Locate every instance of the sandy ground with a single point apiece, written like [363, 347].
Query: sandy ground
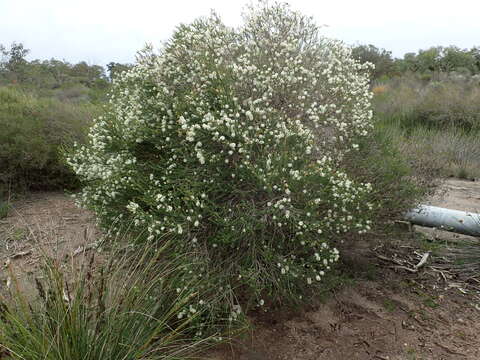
[46, 223]
[459, 195]
[393, 317]
[387, 312]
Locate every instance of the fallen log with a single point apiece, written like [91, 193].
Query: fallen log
[457, 221]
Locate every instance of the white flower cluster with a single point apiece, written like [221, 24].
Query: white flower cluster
[231, 139]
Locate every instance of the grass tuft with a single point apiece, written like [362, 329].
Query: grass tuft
[127, 307]
[4, 209]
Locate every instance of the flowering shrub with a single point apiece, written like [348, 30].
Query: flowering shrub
[229, 141]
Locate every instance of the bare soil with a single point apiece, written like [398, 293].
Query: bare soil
[393, 317]
[387, 311]
[459, 195]
[44, 223]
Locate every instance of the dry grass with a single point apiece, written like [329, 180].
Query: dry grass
[435, 124]
[448, 102]
[440, 152]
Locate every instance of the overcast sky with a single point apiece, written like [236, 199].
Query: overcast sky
[100, 31]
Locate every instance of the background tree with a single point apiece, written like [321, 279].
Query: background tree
[456, 59]
[114, 69]
[381, 58]
[475, 52]
[14, 62]
[59, 79]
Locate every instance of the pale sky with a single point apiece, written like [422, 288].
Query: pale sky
[100, 31]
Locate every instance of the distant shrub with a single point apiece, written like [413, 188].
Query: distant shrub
[446, 101]
[434, 152]
[434, 124]
[381, 58]
[52, 78]
[230, 142]
[32, 132]
[76, 93]
[379, 89]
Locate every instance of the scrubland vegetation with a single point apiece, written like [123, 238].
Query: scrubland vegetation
[44, 106]
[34, 129]
[435, 121]
[236, 159]
[428, 105]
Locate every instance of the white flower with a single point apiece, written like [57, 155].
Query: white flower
[133, 207]
[266, 133]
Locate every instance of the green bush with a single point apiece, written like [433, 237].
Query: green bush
[229, 142]
[134, 306]
[33, 131]
[397, 184]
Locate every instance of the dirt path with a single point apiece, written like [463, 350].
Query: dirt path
[385, 313]
[394, 318]
[459, 195]
[44, 223]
